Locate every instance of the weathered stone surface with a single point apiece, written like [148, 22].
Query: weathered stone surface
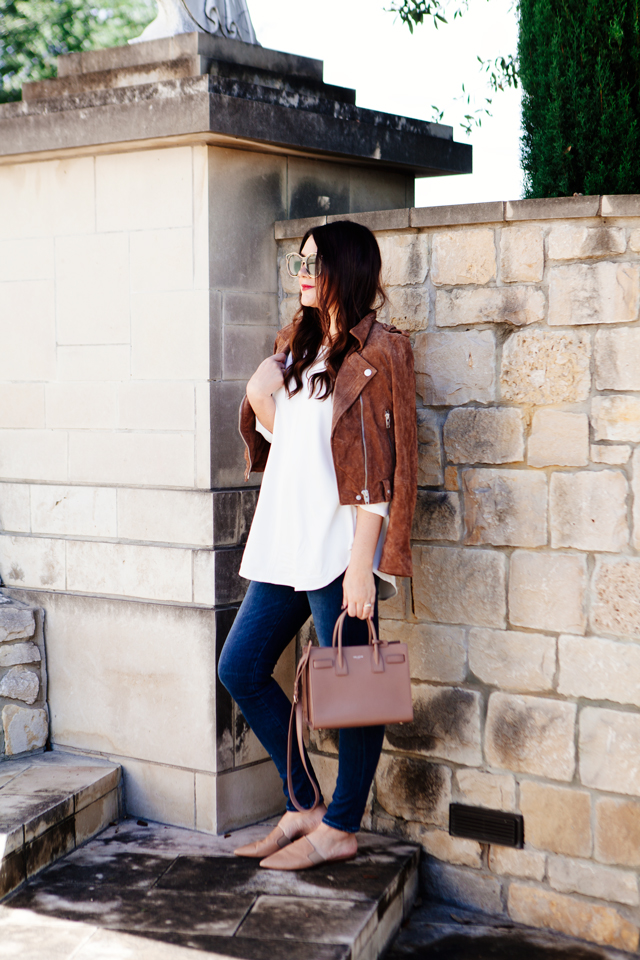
[518, 306]
[461, 886]
[558, 438]
[484, 435]
[455, 585]
[440, 844]
[405, 258]
[497, 791]
[609, 756]
[531, 735]
[290, 285]
[557, 818]
[455, 368]
[408, 308]
[288, 309]
[463, 256]
[436, 652]
[446, 724]
[617, 838]
[540, 366]
[437, 516]
[451, 478]
[593, 294]
[617, 356]
[20, 684]
[556, 911]
[573, 241]
[505, 507]
[616, 418]
[398, 607]
[429, 449]
[16, 623]
[547, 591]
[592, 880]
[616, 597]
[588, 510]
[599, 669]
[635, 488]
[24, 729]
[528, 864]
[521, 254]
[512, 660]
[414, 789]
[19, 653]
[611, 453]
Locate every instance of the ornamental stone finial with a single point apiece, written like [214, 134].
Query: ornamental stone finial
[220, 18]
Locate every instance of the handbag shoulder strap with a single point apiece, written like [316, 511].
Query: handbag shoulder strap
[297, 717]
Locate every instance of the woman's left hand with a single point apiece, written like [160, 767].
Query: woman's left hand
[359, 591]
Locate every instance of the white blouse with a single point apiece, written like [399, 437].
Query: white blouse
[301, 535]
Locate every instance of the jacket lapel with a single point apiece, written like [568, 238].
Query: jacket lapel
[350, 383]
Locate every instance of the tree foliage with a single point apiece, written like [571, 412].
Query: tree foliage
[34, 32]
[501, 72]
[580, 74]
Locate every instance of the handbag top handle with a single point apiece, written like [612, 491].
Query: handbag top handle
[373, 638]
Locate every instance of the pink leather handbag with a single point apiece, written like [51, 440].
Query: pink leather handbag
[337, 687]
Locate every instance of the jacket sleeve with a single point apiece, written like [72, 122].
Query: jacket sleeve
[256, 447]
[396, 553]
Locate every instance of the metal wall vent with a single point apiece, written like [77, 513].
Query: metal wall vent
[486, 826]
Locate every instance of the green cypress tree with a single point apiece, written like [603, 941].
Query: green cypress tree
[579, 65]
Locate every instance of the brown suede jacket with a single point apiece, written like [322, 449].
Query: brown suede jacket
[373, 433]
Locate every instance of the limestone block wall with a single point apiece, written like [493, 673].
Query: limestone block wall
[118, 335]
[23, 680]
[523, 614]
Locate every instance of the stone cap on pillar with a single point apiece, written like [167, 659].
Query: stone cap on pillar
[199, 88]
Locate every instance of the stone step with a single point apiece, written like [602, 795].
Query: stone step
[153, 892]
[50, 804]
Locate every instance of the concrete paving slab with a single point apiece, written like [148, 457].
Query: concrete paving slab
[440, 932]
[358, 880]
[160, 911]
[48, 805]
[307, 920]
[139, 888]
[130, 870]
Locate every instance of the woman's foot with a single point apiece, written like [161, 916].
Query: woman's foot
[292, 825]
[323, 844]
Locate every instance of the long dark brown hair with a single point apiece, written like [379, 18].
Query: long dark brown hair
[348, 283]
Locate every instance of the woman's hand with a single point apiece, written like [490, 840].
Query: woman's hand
[268, 378]
[358, 585]
[358, 590]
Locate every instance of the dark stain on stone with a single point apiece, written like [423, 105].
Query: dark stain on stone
[512, 731]
[434, 515]
[444, 717]
[418, 783]
[458, 946]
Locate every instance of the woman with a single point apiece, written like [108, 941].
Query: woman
[330, 419]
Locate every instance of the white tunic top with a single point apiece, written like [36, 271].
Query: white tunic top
[301, 535]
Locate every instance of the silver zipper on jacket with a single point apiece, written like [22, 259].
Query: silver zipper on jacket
[365, 492]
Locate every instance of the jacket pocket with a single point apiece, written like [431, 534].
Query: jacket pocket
[388, 490]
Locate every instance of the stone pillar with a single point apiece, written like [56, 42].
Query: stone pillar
[138, 291]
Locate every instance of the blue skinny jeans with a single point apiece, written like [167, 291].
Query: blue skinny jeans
[267, 621]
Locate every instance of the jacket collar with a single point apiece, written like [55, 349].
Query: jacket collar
[360, 332]
[362, 329]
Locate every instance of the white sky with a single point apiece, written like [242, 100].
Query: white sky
[367, 48]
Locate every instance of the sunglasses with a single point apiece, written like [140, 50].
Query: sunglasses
[296, 261]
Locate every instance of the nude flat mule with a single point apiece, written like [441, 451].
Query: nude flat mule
[271, 844]
[301, 855]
